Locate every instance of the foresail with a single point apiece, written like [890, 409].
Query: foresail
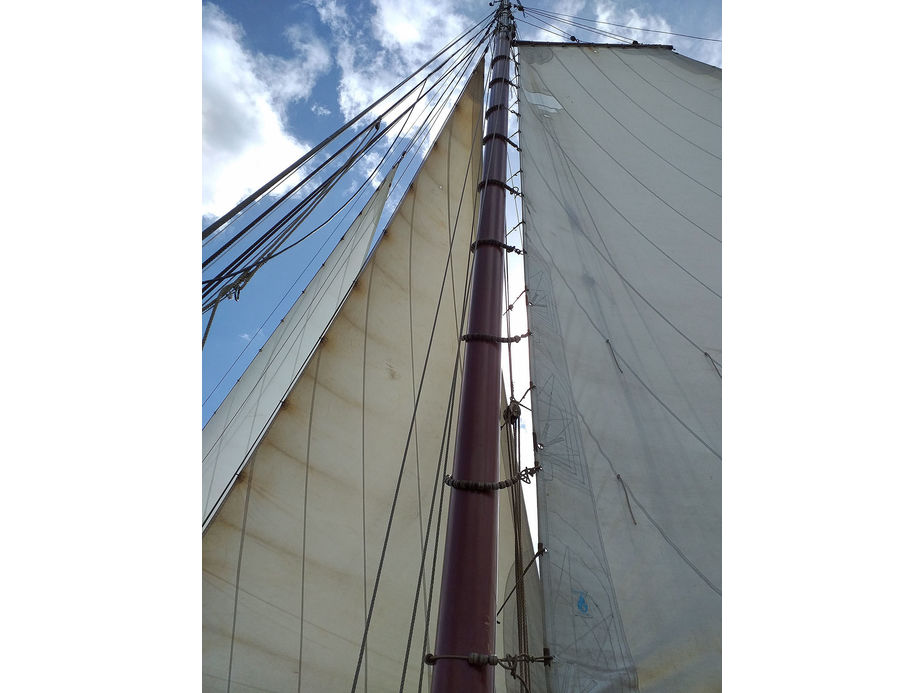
[241, 420]
[621, 160]
[328, 520]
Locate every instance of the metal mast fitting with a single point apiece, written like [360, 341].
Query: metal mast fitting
[467, 597]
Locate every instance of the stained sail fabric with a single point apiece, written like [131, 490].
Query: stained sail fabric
[345, 471]
[241, 420]
[621, 159]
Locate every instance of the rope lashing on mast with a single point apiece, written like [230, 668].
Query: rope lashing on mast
[497, 244]
[499, 106]
[465, 485]
[476, 337]
[478, 659]
[500, 183]
[497, 80]
[496, 135]
[508, 662]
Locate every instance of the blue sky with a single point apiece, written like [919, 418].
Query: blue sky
[279, 77]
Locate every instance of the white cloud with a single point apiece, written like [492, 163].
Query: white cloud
[244, 96]
[320, 110]
[407, 33]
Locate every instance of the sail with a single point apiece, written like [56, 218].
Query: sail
[621, 179]
[328, 520]
[241, 420]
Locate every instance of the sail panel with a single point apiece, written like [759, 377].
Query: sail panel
[291, 557]
[241, 420]
[621, 159]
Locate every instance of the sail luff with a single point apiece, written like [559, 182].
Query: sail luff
[467, 625]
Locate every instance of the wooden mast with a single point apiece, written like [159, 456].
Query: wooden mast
[467, 596]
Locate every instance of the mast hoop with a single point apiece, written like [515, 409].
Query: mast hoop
[497, 244]
[496, 80]
[479, 337]
[478, 659]
[503, 184]
[465, 485]
[497, 135]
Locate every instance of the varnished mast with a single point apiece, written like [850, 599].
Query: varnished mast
[467, 597]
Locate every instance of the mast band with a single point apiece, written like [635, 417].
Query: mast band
[497, 106]
[497, 244]
[476, 337]
[501, 79]
[502, 184]
[464, 485]
[498, 136]
[476, 658]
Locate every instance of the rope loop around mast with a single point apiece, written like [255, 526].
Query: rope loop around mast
[497, 135]
[465, 485]
[500, 183]
[497, 244]
[479, 659]
[478, 337]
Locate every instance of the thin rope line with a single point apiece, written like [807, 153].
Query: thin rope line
[388, 527]
[668, 96]
[668, 539]
[643, 110]
[315, 196]
[666, 408]
[214, 226]
[269, 363]
[621, 26]
[606, 259]
[608, 202]
[460, 366]
[615, 161]
[418, 138]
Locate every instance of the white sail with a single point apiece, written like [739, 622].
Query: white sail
[241, 420]
[621, 150]
[291, 557]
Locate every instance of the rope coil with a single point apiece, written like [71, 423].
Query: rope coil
[497, 135]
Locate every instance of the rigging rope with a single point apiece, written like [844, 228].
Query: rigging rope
[314, 198]
[558, 15]
[421, 135]
[388, 527]
[218, 223]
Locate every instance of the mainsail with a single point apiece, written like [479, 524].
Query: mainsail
[324, 466]
[621, 168]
